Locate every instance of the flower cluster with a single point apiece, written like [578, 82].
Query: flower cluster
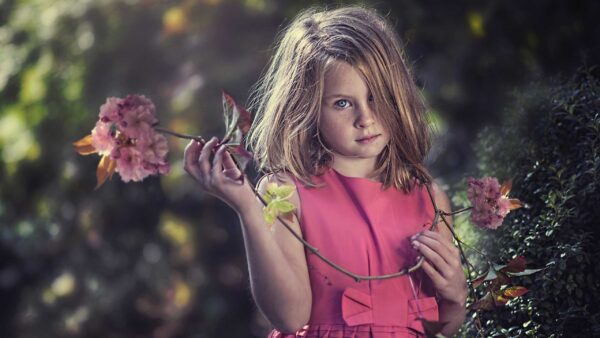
[125, 129]
[490, 201]
[126, 139]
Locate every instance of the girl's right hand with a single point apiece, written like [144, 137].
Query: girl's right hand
[219, 178]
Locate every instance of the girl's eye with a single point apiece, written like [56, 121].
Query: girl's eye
[371, 99]
[341, 103]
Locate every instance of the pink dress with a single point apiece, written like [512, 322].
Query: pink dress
[367, 231]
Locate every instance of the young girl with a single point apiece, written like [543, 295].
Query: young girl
[339, 117]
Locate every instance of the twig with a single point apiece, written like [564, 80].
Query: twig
[189, 137]
[356, 277]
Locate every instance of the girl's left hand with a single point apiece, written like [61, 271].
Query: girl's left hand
[443, 265]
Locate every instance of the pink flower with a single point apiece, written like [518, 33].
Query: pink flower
[136, 101]
[102, 140]
[126, 139]
[490, 201]
[138, 121]
[154, 147]
[130, 165]
[110, 111]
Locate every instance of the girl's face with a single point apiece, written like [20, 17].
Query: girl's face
[348, 124]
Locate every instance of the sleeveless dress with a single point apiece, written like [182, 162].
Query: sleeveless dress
[366, 230]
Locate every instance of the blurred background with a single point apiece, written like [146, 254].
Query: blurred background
[159, 258]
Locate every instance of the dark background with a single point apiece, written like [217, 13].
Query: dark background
[160, 258]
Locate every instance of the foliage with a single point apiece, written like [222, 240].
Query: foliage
[549, 143]
[159, 258]
[277, 203]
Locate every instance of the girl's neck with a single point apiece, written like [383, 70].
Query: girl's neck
[355, 168]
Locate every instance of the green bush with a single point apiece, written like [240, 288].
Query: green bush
[549, 144]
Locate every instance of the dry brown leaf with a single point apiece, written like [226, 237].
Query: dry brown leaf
[105, 170]
[84, 146]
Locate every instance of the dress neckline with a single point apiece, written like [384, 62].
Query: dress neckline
[362, 181]
[354, 179]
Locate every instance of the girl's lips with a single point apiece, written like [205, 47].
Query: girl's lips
[368, 139]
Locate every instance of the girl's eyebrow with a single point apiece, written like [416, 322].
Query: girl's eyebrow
[337, 95]
[327, 97]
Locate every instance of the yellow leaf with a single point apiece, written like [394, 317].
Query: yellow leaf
[269, 217]
[500, 299]
[84, 146]
[277, 205]
[514, 291]
[283, 191]
[283, 206]
[105, 169]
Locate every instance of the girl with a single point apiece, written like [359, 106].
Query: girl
[339, 117]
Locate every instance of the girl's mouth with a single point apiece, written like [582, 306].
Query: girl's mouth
[368, 139]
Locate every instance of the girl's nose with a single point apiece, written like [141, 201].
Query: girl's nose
[365, 118]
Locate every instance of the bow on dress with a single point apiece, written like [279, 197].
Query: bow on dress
[358, 309]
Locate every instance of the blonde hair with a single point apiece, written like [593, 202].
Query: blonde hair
[287, 101]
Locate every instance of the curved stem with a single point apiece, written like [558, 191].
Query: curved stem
[457, 211]
[172, 133]
[438, 213]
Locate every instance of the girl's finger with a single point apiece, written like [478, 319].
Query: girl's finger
[435, 276]
[190, 157]
[439, 244]
[203, 160]
[217, 167]
[434, 257]
[228, 162]
[232, 174]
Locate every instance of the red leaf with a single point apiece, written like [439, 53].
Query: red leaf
[484, 303]
[517, 264]
[240, 155]
[501, 279]
[479, 280]
[237, 118]
[84, 146]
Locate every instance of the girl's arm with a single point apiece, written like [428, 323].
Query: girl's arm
[443, 265]
[277, 263]
[276, 260]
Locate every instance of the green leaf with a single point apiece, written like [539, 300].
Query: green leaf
[269, 217]
[525, 272]
[491, 275]
[281, 192]
[276, 198]
[282, 207]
